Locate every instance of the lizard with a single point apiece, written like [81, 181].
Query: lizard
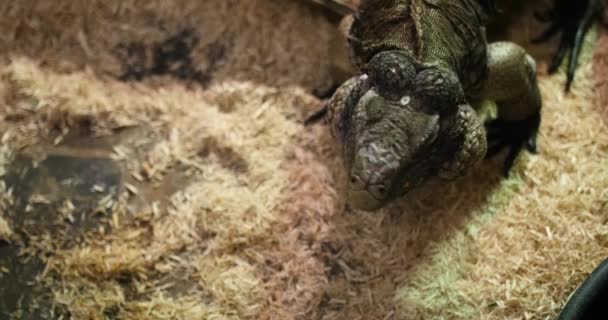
[411, 113]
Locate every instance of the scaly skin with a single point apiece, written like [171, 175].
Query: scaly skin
[408, 116]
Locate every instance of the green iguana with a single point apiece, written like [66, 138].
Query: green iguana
[409, 115]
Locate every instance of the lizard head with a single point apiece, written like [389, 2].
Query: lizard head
[389, 151]
[390, 124]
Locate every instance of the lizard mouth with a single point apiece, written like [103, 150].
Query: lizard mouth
[363, 200]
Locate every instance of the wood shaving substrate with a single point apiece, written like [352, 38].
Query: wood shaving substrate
[273, 241]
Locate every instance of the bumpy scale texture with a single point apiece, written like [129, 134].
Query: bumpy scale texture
[411, 114]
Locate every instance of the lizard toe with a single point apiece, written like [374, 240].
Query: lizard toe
[514, 151]
[317, 116]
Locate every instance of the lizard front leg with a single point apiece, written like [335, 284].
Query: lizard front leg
[512, 84]
[468, 135]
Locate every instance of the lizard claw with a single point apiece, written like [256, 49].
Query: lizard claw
[317, 116]
[514, 135]
[323, 95]
[573, 19]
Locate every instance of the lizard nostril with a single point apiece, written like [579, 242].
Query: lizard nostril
[356, 182]
[378, 191]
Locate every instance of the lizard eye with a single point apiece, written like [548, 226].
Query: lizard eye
[405, 100]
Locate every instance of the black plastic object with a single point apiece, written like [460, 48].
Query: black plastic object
[590, 300]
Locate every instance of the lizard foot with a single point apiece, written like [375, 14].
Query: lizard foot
[317, 116]
[573, 19]
[321, 113]
[514, 135]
